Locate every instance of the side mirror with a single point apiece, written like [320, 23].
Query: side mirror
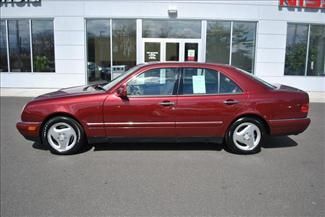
[122, 92]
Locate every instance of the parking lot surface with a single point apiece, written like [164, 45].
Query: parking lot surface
[285, 179]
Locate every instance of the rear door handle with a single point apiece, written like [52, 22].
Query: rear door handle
[167, 103]
[230, 102]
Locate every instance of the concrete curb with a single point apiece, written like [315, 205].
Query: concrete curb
[28, 92]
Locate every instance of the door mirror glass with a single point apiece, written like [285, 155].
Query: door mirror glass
[122, 91]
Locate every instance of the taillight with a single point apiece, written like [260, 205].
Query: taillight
[304, 108]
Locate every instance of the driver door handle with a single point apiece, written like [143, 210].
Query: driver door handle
[230, 102]
[167, 103]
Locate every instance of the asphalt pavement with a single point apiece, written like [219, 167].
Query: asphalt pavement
[285, 179]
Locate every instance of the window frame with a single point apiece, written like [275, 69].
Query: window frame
[307, 49]
[30, 43]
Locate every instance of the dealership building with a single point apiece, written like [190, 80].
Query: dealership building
[56, 43]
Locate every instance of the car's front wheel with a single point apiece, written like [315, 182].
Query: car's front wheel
[245, 136]
[63, 135]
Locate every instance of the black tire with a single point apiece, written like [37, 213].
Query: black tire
[77, 140]
[236, 146]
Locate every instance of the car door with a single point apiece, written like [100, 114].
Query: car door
[149, 108]
[206, 103]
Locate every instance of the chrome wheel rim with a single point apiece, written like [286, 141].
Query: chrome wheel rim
[61, 136]
[247, 136]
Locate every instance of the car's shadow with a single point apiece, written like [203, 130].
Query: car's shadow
[269, 142]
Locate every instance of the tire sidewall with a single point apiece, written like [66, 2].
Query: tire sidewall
[229, 138]
[74, 124]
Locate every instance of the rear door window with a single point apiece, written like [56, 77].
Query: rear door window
[200, 81]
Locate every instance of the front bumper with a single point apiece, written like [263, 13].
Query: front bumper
[288, 126]
[30, 130]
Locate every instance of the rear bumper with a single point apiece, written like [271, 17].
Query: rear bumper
[288, 126]
[30, 130]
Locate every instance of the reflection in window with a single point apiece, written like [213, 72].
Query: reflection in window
[227, 85]
[218, 41]
[153, 82]
[19, 45]
[124, 45]
[43, 46]
[243, 45]
[295, 59]
[3, 47]
[171, 28]
[316, 54]
[98, 50]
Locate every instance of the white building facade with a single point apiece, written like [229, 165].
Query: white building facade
[56, 44]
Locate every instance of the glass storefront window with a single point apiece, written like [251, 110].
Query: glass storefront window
[124, 45]
[218, 41]
[98, 50]
[243, 45]
[19, 45]
[295, 60]
[3, 47]
[101, 66]
[43, 46]
[305, 51]
[171, 28]
[316, 53]
[24, 35]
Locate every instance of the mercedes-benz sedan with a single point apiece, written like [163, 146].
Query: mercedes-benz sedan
[167, 102]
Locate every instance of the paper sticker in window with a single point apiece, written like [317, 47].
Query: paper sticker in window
[198, 84]
[162, 79]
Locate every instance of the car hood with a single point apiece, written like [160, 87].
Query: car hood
[71, 91]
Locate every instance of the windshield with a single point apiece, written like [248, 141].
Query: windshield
[257, 79]
[119, 78]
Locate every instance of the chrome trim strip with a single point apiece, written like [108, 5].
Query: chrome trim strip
[289, 119]
[128, 124]
[200, 122]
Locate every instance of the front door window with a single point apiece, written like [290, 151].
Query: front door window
[153, 82]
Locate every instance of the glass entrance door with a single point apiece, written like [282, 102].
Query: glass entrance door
[172, 51]
[161, 50]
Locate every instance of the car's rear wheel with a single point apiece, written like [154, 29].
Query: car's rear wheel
[63, 135]
[245, 136]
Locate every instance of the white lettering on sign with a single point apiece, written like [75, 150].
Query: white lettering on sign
[152, 55]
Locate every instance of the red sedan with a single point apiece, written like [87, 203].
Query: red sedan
[168, 101]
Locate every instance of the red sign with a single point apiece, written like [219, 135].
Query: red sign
[316, 4]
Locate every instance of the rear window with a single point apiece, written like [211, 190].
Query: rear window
[259, 80]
